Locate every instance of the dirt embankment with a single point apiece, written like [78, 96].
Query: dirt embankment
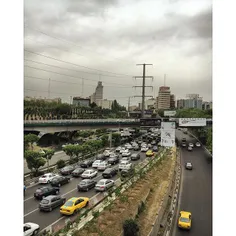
[110, 221]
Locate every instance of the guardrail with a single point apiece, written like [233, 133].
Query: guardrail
[98, 202]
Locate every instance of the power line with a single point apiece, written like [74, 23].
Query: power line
[65, 82]
[37, 62]
[76, 45]
[39, 54]
[63, 74]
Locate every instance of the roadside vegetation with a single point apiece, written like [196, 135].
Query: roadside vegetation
[42, 110]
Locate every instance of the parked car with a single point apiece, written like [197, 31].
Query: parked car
[126, 153]
[50, 202]
[104, 184]
[59, 180]
[144, 149]
[89, 174]
[77, 172]
[118, 149]
[109, 172]
[46, 178]
[185, 220]
[101, 157]
[113, 160]
[30, 229]
[67, 170]
[135, 156]
[86, 184]
[155, 149]
[125, 165]
[188, 166]
[73, 205]
[103, 165]
[127, 172]
[96, 163]
[87, 163]
[43, 192]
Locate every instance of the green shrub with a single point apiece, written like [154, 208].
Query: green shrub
[60, 164]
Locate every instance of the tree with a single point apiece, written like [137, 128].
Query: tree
[130, 228]
[117, 138]
[104, 140]
[30, 139]
[93, 105]
[34, 160]
[209, 139]
[48, 154]
[69, 150]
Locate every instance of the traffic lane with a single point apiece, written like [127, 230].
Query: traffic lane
[196, 195]
[44, 220]
[31, 203]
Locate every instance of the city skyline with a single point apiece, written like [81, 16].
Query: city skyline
[110, 38]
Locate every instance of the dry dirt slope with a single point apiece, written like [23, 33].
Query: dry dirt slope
[109, 222]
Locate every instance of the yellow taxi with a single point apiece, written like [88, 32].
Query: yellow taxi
[73, 205]
[185, 221]
[149, 153]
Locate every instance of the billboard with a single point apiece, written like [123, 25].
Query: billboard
[189, 122]
[168, 134]
[169, 113]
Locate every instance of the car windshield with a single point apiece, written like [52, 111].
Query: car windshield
[185, 220]
[108, 170]
[69, 203]
[134, 155]
[83, 183]
[101, 182]
[45, 201]
[87, 172]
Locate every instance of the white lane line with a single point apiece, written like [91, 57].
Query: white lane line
[31, 212]
[28, 199]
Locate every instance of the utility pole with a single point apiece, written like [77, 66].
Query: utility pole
[49, 88]
[144, 86]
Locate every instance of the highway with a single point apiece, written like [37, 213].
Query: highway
[44, 219]
[195, 191]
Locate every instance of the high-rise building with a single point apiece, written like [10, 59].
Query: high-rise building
[180, 103]
[192, 101]
[206, 105]
[172, 101]
[98, 94]
[164, 98]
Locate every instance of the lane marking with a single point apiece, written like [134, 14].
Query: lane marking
[31, 212]
[28, 199]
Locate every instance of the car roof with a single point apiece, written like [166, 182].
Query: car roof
[73, 199]
[185, 214]
[50, 197]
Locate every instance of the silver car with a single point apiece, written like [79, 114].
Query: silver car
[104, 184]
[103, 165]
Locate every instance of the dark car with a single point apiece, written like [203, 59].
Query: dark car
[127, 172]
[101, 157]
[109, 172]
[136, 148]
[46, 191]
[155, 149]
[50, 202]
[86, 184]
[135, 156]
[113, 160]
[87, 163]
[77, 172]
[59, 180]
[67, 170]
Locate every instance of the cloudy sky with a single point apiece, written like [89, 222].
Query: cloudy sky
[75, 43]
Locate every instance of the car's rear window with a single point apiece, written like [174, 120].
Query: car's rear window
[183, 219]
[45, 201]
[69, 203]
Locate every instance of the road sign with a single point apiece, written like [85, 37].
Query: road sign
[168, 134]
[189, 122]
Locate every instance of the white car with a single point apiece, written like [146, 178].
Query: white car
[103, 165]
[129, 147]
[104, 184]
[96, 163]
[118, 149]
[198, 144]
[125, 165]
[30, 229]
[122, 150]
[144, 149]
[190, 145]
[89, 174]
[106, 153]
[46, 178]
[126, 153]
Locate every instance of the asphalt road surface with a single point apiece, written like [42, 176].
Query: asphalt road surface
[195, 191]
[44, 219]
